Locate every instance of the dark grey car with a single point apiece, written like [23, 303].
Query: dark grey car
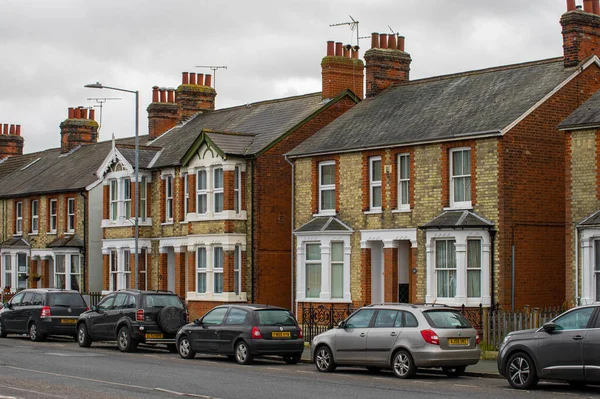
[567, 348]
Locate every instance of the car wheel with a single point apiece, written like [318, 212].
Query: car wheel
[34, 334]
[403, 365]
[124, 340]
[172, 348]
[454, 372]
[324, 359]
[185, 348]
[292, 359]
[242, 353]
[83, 338]
[2, 330]
[520, 371]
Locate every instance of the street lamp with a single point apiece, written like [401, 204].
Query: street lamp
[99, 85]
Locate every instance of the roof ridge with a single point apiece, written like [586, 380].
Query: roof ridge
[208, 131]
[264, 102]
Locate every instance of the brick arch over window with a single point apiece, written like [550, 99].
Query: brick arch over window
[446, 147]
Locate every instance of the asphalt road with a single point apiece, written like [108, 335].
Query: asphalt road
[61, 369]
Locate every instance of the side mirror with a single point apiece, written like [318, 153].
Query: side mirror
[9, 305]
[342, 324]
[94, 308]
[197, 322]
[549, 327]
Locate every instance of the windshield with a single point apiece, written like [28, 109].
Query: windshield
[66, 299]
[275, 317]
[161, 301]
[446, 319]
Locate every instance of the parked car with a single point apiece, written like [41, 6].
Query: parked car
[566, 348]
[42, 312]
[131, 317]
[243, 332]
[402, 337]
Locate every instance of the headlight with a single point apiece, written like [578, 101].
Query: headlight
[505, 340]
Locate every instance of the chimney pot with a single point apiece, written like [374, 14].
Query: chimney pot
[588, 6]
[374, 40]
[84, 113]
[401, 43]
[201, 79]
[392, 42]
[71, 113]
[355, 52]
[171, 95]
[383, 40]
[12, 130]
[596, 7]
[192, 78]
[18, 130]
[347, 51]
[184, 78]
[330, 48]
[338, 49]
[154, 94]
[5, 128]
[92, 114]
[163, 94]
[571, 5]
[77, 113]
[208, 80]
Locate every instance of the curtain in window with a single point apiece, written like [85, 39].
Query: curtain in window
[75, 273]
[597, 268]
[404, 177]
[376, 184]
[60, 272]
[7, 271]
[473, 268]
[313, 271]
[337, 270]
[218, 270]
[201, 267]
[446, 259]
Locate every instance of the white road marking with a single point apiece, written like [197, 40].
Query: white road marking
[26, 390]
[302, 371]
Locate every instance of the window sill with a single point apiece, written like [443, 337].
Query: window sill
[167, 223]
[34, 233]
[51, 232]
[320, 300]
[459, 208]
[108, 223]
[223, 297]
[375, 212]
[402, 211]
[325, 214]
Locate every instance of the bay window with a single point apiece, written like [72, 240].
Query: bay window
[473, 268]
[126, 269]
[327, 187]
[127, 198]
[60, 272]
[7, 271]
[218, 269]
[337, 270]
[114, 199]
[313, 270]
[201, 270]
[445, 268]
[75, 273]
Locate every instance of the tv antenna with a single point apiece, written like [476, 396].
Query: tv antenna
[214, 69]
[100, 101]
[353, 26]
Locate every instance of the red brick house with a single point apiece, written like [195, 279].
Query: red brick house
[447, 189]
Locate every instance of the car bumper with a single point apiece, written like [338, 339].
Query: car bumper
[446, 358]
[151, 336]
[276, 347]
[55, 327]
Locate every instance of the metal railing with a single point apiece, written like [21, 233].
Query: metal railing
[320, 318]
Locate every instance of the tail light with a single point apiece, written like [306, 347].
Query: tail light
[430, 337]
[86, 308]
[300, 333]
[477, 339]
[45, 312]
[256, 333]
[139, 315]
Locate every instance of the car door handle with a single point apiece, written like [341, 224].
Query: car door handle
[363, 334]
[393, 334]
[578, 338]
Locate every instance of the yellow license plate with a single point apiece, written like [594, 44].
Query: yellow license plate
[154, 336]
[280, 334]
[458, 341]
[68, 321]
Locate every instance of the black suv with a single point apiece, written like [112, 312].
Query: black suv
[131, 317]
[42, 312]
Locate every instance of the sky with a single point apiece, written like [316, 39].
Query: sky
[49, 49]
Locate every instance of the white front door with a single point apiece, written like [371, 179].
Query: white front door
[171, 269]
[377, 286]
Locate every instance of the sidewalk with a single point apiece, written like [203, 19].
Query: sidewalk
[484, 368]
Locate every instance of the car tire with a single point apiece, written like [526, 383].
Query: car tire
[403, 365]
[83, 338]
[2, 330]
[124, 341]
[172, 348]
[324, 359]
[521, 372]
[292, 359]
[454, 372]
[34, 333]
[242, 353]
[184, 347]
[170, 319]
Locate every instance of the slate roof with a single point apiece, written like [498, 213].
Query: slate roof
[586, 116]
[146, 155]
[56, 172]
[440, 108]
[232, 143]
[592, 220]
[324, 224]
[15, 242]
[8, 165]
[265, 121]
[457, 219]
[66, 242]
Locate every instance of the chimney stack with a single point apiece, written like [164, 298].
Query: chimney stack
[163, 113]
[194, 94]
[78, 129]
[340, 70]
[581, 32]
[11, 142]
[387, 63]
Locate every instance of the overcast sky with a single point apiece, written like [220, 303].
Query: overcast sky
[49, 49]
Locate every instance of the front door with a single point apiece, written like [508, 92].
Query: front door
[404, 271]
[351, 341]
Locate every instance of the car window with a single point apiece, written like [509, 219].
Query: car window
[162, 300]
[27, 299]
[129, 302]
[360, 319]
[236, 317]
[16, 300]
[215, 316]
[446, 319]
[574, 320]
[66, 299]
[37, 299]
[410, 320]
[119, 301]
[386, 318]
[275, 317]
[106, 303]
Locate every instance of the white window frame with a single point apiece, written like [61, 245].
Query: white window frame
[143, 214]
[313, 262]
[120, 273]
[465, 176]
[326, 187]
[237, 192]
[7, 272]
[113, 267]
[218, 270]
[169, 211]
[62, 273]
[201, 192]
[186, 195]
[373, 184]
[126, 198]
[451, 244]
[70, 214]
[114, 199]
[333, 263]
[403, 183]
[19, 218]
[237, 269]
[35, 216]
[75, 272]
[21, 269]
[218, 192]
[477, 269]
[53, 216]
[126, 269]
[201, 269]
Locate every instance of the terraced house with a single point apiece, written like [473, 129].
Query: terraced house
[450, 189]
[215, 190]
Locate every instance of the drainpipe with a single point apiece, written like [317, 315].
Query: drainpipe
[252, 232]
[85, 244]
[492, 233]
[292, 233]
[576, 231]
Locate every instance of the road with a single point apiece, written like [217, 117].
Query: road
[61, 369]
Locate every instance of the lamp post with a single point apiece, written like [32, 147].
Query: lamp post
[98, 85]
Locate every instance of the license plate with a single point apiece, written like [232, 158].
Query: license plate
[280, 334]
[154, 336]
[68, 321]
[458, 341]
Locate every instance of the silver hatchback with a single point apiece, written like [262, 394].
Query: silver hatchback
[402, 337]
